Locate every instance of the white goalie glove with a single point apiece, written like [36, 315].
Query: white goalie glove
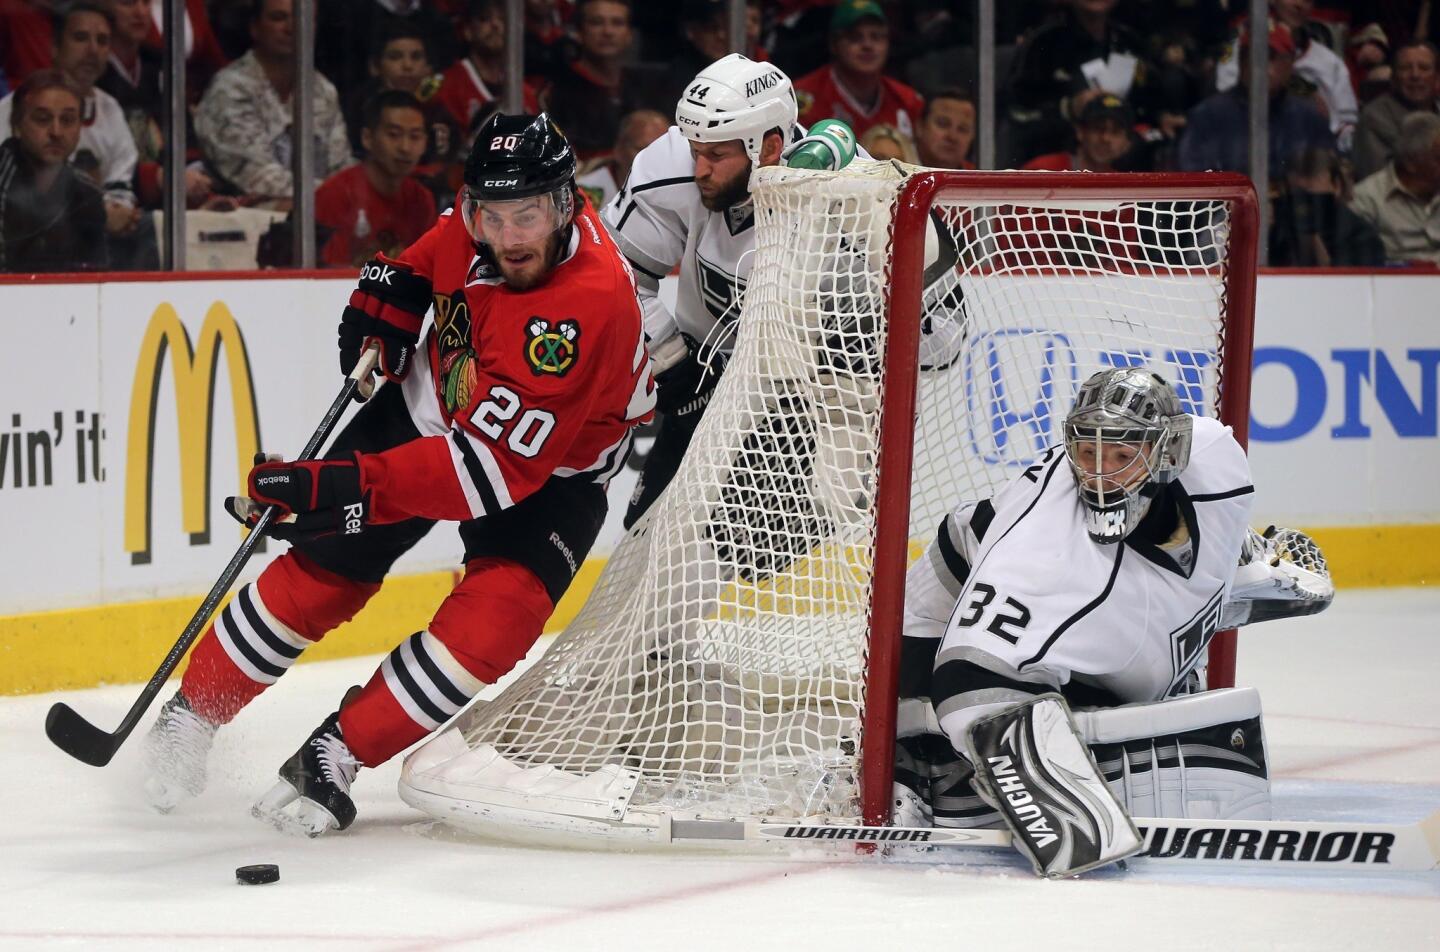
[1282, 574]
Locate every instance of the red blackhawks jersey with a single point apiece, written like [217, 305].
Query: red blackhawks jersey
[514, 387]
[820, 96]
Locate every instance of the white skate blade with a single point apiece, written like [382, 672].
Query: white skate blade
[304, 818]
[163, 796]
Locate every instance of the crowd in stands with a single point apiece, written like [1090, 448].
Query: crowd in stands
[401, 85]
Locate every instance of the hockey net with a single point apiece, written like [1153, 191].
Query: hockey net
[737, 657]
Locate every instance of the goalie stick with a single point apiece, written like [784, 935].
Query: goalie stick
[82, 740]
[1272, 844]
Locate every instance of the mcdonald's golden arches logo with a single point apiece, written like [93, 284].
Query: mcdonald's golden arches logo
[193, 370]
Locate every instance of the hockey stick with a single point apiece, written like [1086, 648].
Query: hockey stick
[86, 742]
[1272, 844]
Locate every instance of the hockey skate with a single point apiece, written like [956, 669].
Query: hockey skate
[176, 750]
[316, 781]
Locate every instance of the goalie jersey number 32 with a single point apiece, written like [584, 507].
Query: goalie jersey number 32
[1043, 605]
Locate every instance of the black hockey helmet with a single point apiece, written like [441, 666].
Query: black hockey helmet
[518, 156]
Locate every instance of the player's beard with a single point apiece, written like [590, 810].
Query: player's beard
[730, 193]
[530, 274]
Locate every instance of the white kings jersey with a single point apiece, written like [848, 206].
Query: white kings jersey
[659, 222]
[1022, 601]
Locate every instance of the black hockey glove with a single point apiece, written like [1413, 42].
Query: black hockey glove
[314, 498]
[684, 389]
[388, 306]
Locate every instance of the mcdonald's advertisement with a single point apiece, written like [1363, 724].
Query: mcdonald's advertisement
[134, 410]
[131, 409]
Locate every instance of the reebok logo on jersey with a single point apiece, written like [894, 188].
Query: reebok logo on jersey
[559, 543]
[379, 273]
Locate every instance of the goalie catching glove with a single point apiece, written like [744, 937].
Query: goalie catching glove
[1031, 765]
[312, 499]
[388, 307]
[1282, 574]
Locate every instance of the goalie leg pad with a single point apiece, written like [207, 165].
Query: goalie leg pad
[1198, 757]
[1032, 765]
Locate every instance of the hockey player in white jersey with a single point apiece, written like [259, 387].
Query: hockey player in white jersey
[1097, 575]
[687, 203]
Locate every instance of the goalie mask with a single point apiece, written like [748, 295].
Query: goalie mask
[1125, 438]
[737, 98]
[519, 183]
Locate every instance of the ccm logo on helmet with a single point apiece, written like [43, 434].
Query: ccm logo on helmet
[501, 182]
[377, 272]
[761, 82]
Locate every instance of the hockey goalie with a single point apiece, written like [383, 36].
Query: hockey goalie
[1055, 636]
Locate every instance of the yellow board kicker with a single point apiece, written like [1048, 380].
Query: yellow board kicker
[123, 643]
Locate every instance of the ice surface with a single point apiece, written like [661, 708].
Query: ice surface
[1353, 723]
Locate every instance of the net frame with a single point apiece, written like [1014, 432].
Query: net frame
[499, 772]
[919, 195]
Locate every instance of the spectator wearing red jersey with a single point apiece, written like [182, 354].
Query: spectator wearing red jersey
[946, 130]
[589, 98]
[203, 54]
[548, 46]
[476, 80]
[25, 39]
[854, 87]
[400, 59]
[1104, 137]
[376, 207]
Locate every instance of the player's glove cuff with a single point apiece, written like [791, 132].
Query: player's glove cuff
[387, 307]
[312, 499]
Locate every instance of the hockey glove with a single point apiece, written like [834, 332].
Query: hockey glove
[313, 499]
[388, 307]
[684, 387]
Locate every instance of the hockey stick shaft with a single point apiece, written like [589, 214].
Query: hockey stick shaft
[1274, 844]
[82, 740]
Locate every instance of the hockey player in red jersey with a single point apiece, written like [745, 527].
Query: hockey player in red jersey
[509, 419]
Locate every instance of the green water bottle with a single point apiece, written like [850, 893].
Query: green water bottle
[829, 146]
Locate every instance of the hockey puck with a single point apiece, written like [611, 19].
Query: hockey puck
[258, 874]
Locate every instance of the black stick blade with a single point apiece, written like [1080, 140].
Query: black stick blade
[78, 737]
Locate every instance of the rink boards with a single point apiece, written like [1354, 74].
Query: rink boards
[137, 406]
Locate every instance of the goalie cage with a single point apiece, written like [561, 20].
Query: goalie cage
[737, 658]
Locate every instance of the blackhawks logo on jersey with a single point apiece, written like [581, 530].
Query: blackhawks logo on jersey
[552, 348]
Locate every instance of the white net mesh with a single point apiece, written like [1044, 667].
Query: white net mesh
[722, 654]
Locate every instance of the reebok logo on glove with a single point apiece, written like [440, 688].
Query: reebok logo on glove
[354, 518]
[277, 478]
[375, 271]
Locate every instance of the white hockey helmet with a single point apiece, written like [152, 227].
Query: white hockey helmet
[737, 98]
[1125, 438]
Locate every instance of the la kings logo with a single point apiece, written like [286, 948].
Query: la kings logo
[719, 289]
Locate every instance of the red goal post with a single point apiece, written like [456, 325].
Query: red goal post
[909, 339]
[920, 194]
